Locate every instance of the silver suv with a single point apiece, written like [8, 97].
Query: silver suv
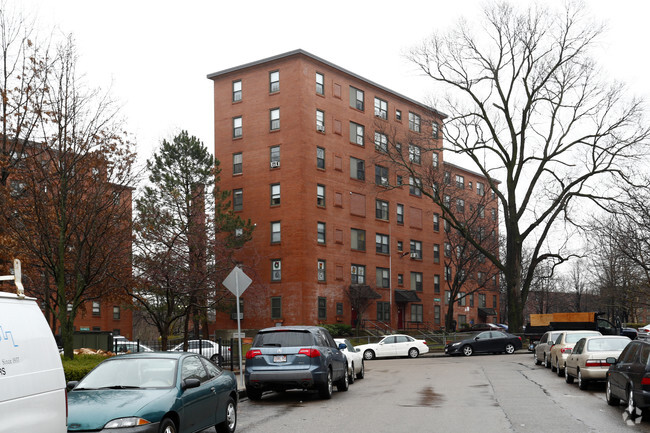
[294, 357]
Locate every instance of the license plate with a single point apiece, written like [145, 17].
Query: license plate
[280, 358]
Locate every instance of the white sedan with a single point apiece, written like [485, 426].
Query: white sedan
[644, 332]
[207, 348]
[356, 368]
[394, 345]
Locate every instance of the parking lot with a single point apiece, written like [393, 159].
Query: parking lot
[489, 393]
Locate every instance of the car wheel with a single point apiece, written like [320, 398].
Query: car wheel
[230, 423]
[546, 363]
[582, 383]
[554, 367]
[254, 394]
[362, 372]
[344, 383]
[567, 377]
[611, 399]
[167, 426]
[510, 349]
[537, 361]
[217, 359]
[467, 350]
[351, 375]
[413, 352]
[326, 390]
[559, 368]
[631, 404]
[368, 354]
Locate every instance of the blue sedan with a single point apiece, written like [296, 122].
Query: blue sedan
[162, 392]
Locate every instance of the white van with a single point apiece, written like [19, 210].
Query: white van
[32, 382]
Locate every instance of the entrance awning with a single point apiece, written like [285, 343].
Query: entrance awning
[486, 312]
[403, 296]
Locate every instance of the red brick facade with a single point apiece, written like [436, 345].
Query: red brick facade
[321, 205]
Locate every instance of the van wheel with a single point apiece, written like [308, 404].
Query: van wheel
[167, 426]
[325, 391]
[343, 384]
[254, 394]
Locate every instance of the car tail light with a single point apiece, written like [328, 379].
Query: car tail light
[566, 350]
[253, 353]
[645, 380]
[425, 343]
[312, 353]
[596, 363]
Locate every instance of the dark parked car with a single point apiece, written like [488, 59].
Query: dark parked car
[164, 392]
[485, 342]
[294, 357]
[485, 327]
[628, 377]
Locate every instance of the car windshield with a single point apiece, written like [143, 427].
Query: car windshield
[573, 338]
[283, 339]
[607, 344]
[124, 373]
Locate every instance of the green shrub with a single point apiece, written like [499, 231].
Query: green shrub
[339, 329]
[77, 368]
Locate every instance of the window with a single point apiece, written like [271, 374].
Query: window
[414, 154]
[320, 195]
[398, 180]
[237, 163]
[446, 178]
[471, 299]
[274, 81]
[276, 270]
[436, 284]
[236, 91]
[96, 309]
[447, 249]
[357, 168]
[435, 159]
[469, 185]
[415, 186]
[322, 308]
[461, 299]
[460, 182]
[381, 210]
[356, 98]
[275, 194]
[320, 121]
[494, 301]
[493, 214]
[435, 128]
[321, 271]
[275, 232]
[358, 239]
[436, 222]
[276, 307]
[416, 281]
[381, 108]
[357, 132]
[237, 128]
[446, 200]
[447, 273]
[320, 157]
[358, 274]
[436, 314]
[383, 311]
[398, 115]
[414, 122]
[383, 277]
[381, 142]
[237, 199]
[275, 119]
[416, 312]
[400, 213]
[400, 280]
[481, 212]
[460, 205]
[447, 297]
[381, 175]
[339, 308]
[436, 253]
[320, 84]
[320, 232]
[416, 249]
[400, 246]
[275, 156]
[382, 243]
[116, 312]
[480, 189]
[481, 300]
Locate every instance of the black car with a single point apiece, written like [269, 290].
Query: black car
[485, 342]
[628, 377]
[295, 357]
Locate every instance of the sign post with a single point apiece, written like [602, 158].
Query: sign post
[237, 282]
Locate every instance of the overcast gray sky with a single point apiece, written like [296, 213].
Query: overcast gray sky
[155, 55]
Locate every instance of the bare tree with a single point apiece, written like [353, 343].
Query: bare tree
[360, 297]
[530, 110]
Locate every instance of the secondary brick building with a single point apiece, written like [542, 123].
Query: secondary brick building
[301, 144]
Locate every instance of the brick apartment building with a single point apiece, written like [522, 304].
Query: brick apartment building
[300, 142]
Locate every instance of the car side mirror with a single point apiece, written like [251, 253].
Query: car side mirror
[357, 350]
[70, 385]
[610, 360]
[342, 346]
[477, 338]
[190, 383]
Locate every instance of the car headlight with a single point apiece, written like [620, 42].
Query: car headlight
[456, 344]
[126, 422]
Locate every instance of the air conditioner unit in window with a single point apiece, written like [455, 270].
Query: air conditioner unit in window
[275, 164]
[320, 128]
[233, 316]
[415, 256]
